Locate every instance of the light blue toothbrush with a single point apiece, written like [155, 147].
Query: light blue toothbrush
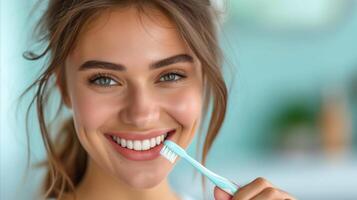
[171, 150]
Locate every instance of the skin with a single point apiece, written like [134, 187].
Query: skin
[136, 100]
[259, 189]
[139, 99]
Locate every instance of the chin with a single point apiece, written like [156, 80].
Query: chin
[145, 175]
[146, 181]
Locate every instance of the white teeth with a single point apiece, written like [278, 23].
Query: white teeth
[137, 145]
[123, 142]
[140, 145]
[145, 145]
[158, 140]
[152, 142]
[118, 140]
[129, 144]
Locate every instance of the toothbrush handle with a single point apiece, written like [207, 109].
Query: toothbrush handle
[219, 181]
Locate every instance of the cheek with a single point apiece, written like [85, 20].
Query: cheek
[88, 109]
[185, 106]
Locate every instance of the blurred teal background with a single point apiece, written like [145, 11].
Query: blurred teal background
[292, 115]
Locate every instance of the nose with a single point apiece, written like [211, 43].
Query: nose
[141, 108]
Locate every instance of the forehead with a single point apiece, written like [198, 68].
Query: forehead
[126, 33]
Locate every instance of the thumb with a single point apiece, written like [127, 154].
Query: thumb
[219, 194]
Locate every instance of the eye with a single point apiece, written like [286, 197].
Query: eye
[172, 77]
[103, 80]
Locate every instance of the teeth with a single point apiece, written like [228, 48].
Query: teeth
[145, 145]
[152, 142]
[137, 145]
[129, 144]
[123, 142]
[158, 140]
[140, 145]
[118, 140]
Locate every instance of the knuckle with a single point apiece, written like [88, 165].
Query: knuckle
[262, 182]
[270, 192]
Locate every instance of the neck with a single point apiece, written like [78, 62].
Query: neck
[97, 184]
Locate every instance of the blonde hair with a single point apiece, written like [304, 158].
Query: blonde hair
[59, 28]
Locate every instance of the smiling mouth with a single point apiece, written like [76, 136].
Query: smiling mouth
[142, 145]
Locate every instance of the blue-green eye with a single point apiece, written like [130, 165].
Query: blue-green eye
[103, 80]
[174, 77]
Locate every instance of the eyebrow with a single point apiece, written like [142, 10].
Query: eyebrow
[97, 64]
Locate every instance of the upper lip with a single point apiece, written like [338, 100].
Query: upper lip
[140, 135]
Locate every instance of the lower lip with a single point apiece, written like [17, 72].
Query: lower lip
[143, 155]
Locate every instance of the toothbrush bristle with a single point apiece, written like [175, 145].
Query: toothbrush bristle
[168, 154]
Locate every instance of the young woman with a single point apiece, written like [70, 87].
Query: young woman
[135, 70]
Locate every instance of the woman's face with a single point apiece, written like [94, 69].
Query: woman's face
[133, 78]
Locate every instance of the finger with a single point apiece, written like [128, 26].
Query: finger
[252, 189]
[287, 196]
[219, 194]
[269, 193]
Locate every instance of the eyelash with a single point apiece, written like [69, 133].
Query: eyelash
[105, 76]
[175, 73]
[101, 76]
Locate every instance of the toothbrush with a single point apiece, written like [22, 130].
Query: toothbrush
[171, 150]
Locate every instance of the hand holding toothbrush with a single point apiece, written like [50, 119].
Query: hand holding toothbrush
[259, 189]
